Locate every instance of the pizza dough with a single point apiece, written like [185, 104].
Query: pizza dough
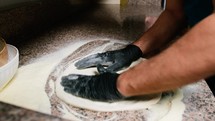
[36, 87]
[132, 104]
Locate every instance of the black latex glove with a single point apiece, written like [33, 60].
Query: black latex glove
[100, 87]
[114, 60]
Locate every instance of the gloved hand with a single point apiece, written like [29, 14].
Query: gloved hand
[114, 60]
[100, 87]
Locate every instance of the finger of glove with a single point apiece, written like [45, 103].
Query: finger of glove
[78, 86]
[72, 91]
[70, 80]
[94, 60]
[101, 69]
[77, 91]
[115, 67]
[80, 92]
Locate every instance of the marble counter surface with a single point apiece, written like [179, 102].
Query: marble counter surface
[103, 22]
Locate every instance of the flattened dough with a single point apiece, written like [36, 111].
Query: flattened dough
[132, 104]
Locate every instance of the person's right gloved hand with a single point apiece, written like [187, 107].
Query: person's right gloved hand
[114, 60]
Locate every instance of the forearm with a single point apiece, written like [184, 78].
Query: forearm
[189, 59]
[164, 29]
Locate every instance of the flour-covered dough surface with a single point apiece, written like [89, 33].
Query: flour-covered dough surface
[130, 104]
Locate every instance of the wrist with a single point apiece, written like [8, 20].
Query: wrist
[144, 44]
[134, 51]
[121, 86]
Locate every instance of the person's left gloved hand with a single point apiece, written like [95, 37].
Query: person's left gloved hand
[100, 87]
[114, 60]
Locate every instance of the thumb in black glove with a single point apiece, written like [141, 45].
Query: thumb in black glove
[114, 60]
[100, 87]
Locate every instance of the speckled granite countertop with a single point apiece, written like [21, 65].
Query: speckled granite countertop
[101, 22]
